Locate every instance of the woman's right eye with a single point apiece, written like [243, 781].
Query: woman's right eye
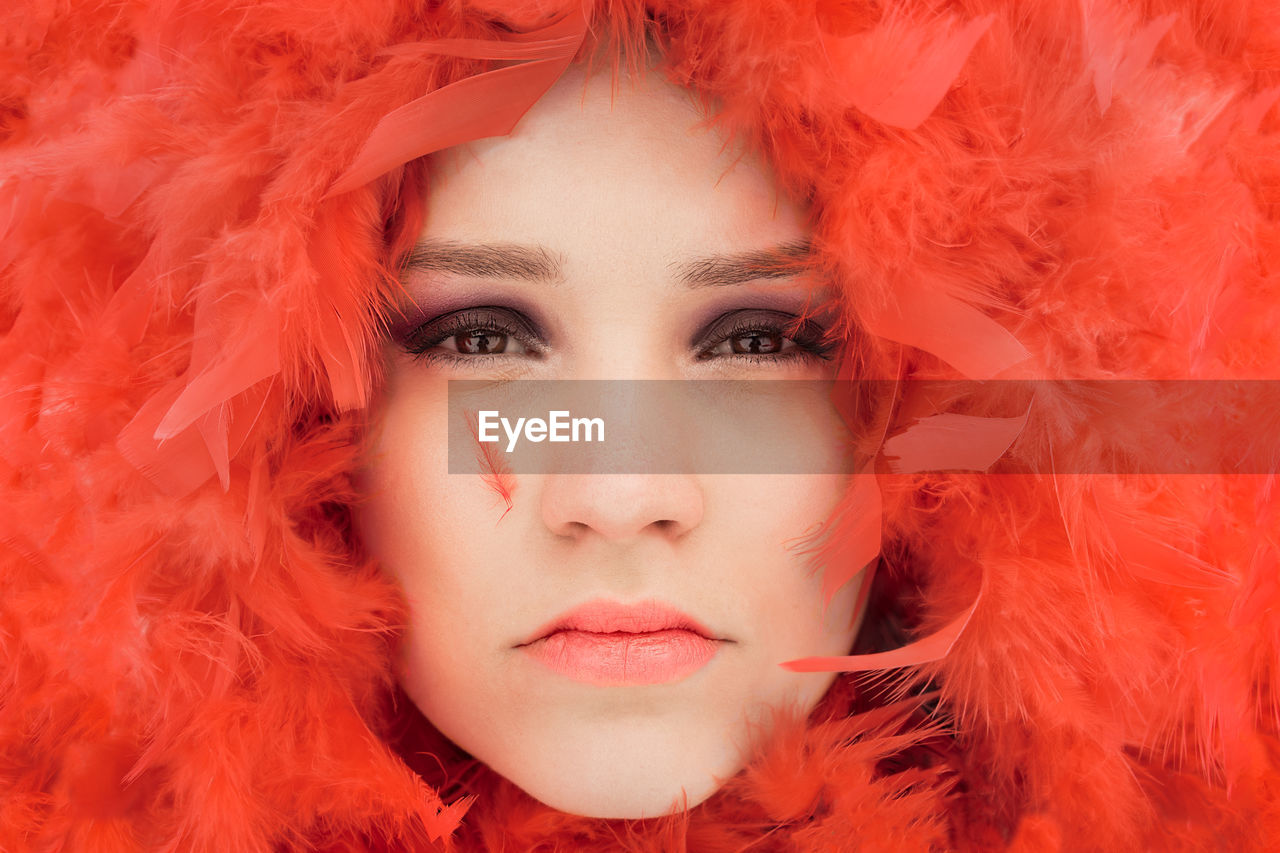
[478, 342]
[473, 334]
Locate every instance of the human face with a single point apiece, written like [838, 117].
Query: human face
[620, 190]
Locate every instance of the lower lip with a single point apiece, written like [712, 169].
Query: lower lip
[653, 657]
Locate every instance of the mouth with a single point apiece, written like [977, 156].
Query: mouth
[607, 643]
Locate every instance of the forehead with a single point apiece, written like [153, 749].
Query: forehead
[625, 163]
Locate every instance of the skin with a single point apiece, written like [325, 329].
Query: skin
[621, 187]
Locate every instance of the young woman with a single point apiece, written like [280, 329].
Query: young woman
[247, 605]
[622, 196]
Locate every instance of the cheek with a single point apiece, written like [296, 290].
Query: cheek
[414, 510]
[771, 526]
[762, 546]
[416, 519]
[402, 476]
[423, 526]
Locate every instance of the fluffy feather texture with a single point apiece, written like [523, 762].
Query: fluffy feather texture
[196, 657]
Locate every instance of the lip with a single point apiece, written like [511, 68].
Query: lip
[608, 643]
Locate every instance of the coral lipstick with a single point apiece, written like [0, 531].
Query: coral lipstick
[610, 644]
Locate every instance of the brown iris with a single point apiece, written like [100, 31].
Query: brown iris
[480, 342]
[756, 343]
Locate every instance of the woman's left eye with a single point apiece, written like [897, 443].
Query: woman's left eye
[754, 342]
[759, 334]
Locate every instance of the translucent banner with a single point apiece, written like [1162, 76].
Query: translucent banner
[842, 427]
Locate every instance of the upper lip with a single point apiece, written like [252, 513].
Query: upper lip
[602, 616]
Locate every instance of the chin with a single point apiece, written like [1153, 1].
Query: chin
[627, 775]
[621, 797]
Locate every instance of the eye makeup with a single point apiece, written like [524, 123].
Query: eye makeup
[469, 327]
[755, 333]
[471, 334]
[478, 334]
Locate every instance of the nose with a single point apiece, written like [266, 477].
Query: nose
[620, 507]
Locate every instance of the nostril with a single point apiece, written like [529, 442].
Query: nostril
[620, 507]
[574, 529]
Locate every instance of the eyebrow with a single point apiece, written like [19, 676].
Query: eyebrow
[720, 270]
[486, 260]
[537, 263]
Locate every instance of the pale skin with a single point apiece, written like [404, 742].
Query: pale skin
[623, 192]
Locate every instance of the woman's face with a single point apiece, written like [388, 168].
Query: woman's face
[564, 251]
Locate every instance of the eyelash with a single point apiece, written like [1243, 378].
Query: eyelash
[809, 338]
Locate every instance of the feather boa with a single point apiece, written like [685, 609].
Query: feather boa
[194, 203]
